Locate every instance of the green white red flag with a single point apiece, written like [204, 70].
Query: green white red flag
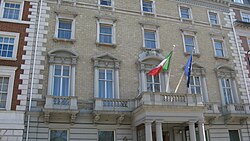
[164, 65]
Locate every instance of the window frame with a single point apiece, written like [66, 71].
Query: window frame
[217, 17]
[154, 29]
[58, 18]
[7, 71]
[106, 131]
[195, 85]
[113, 27]
[58, 129]
[242, 16]
[214, 40]
[61, 77]
[193, 34]
[13, 1]
[189, 12]
[153, 83]
[148, 12]
[16, 42]
[226, 97]
[105, 80]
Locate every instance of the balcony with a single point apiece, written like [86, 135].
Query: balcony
[60, 105]
[116, 105]
[234, 112]
[212, 112]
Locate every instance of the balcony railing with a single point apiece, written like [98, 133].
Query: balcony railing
[61, 102]
[114, 104]
[212, 108]
[149, 98]
[236, 109]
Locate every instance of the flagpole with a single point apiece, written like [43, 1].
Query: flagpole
[169, 73]
[178, 85]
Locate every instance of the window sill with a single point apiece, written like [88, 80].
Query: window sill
[215, 25]
[152, 49]
[14, 21]
[184, 20]
[106, 7]
[221, 58]
[64, 40]
[8, 59]
[148, 13]
[106, 44]
[194, 54]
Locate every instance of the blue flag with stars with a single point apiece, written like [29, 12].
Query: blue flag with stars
[188, 69]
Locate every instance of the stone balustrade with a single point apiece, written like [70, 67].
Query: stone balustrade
[61, 102]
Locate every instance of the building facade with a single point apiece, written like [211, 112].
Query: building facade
[89, 80]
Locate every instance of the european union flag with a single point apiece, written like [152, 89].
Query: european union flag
[188, 69]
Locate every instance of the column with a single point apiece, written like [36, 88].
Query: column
[148, 131]
[96, 82]
[159, 131]
[201, 131]
[116, 83]
[143, 81]
[73, 73]
[192, 131]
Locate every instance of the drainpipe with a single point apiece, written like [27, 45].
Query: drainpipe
[33, 69]
[241, 63]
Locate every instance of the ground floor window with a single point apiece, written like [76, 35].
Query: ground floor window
[141, 133]
[58, 135]
[106, 136]
[234, 135]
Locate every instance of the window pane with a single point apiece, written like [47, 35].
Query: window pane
[234, 135]
[65, 70]
[149, 87]
[149, 78]
[106, 2]
[105, 135]
[107, 29]
[4, 81]
[58, 135]
[109, 90]
[57, 83]
[11, 11]
[65, 87]
[185, 12]
[101, 89]
[156, 79]
[147, 6]
[150, 44]
[101, 74]
[57, 70]
[157, 88]
[106, 39]
[109, 75]
[149, 35]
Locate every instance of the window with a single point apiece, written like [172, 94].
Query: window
[150, 39]
[185, 12]
[195, 85]
[148, 6]
[65, 27]
[238, 1]
[245, 17]
[106, 136]
[227, 90]
[213, 18]
[58, 135]
[12, 10]
[106, 2]
[8, 45]
[106, 83]
[105, 33]
[4, 81]
[7, 77]
[61, 80]
[189, 42]
[153, 83]
[234, 135]
[219, 49]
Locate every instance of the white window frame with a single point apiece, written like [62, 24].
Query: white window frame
[193, 34]
[151, 28]
[61, 65]
[15, 1]
[195, 85]
[6, 71]
[217, 15]
[245, 14]
[226, 99]
[105, 80]
[153, 83]
[107, 131]
[70, 17]
[13, 35]
[241, 1]
[153, 7]
[59, 130]
[106, 22]
[223, 47]
[189, 12]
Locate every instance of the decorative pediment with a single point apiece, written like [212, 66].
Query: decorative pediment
[62, 56]
[198, 69]
[149, 59]
[106, 60]
[225, 71]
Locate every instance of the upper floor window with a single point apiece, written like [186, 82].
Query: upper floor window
[106, 2]
[8, 45]
[185, 12]
[106, 33]
[56, 135]
[64, 30]
[213, 18]
[106, 83]
[219, 48]
[195, 85]
[106, 136]
[148, 6]
[62, 75]
[190, 44]
[12, 10]
[227, 90]
[150, 40]
[153, 83]
[4, 82]
[238, 1]
[245, 17]
[61, 79]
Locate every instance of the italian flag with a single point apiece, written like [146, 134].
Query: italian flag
[164, 65]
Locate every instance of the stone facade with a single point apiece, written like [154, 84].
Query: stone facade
[132, 113]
